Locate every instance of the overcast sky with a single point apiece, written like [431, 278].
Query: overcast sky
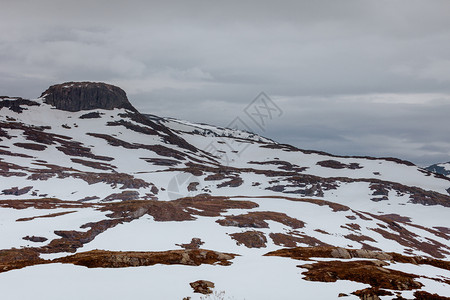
[350, 77]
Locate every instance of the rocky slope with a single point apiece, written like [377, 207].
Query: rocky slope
[192, 205]
[442, 168]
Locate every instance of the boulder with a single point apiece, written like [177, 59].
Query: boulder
[202, 286]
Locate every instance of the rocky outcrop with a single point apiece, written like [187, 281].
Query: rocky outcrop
[363, 271]
[258, 219]
[15, 191]
[442, 169]
[123, 259]
[202, 286]
[194, 244]
[11, 259]
[36, 239]
[76, 96]
[16, 104]
[422, 295]
[372, 294]
[305, 253]
[250, 239]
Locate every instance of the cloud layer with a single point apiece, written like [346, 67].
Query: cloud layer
[353, 77]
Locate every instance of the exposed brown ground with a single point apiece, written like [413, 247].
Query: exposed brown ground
[422, 295]
[122, 259]
[46, 216]
[258, 219]
[374, 272]
[202, 286]
[20, 258]
[292, 239]
[369, 272]
[251, 239]
[334, 206]
[43, 203]
[305, 253]
[184, 209]
[194, 244]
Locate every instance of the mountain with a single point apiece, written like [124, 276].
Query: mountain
[442, 168]
[119, 204]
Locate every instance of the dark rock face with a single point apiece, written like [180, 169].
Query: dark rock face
[36, 239]
[438, 169]
[16, 104]
[202, 286]
[76, 96]
[15, 191]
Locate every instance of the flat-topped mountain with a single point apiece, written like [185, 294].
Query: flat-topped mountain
[76, 96]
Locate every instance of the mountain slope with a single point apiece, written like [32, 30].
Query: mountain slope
[442, 168]
[96, 174]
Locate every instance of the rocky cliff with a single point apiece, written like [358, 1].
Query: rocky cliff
[76, 96]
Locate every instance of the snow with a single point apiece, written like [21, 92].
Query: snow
[235, 148]
[446, 166]
[248, 278]
[13, 231]
[252, 275]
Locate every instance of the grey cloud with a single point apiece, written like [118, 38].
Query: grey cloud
[417, 132]
[204, 61]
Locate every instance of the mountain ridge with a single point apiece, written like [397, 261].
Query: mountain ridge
[141, 187]
[440, 168]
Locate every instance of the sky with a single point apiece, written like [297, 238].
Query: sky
[350, 77]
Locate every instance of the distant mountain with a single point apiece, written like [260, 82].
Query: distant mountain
[86, 180]
[442, 168]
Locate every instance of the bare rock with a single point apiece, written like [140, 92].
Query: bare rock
[36, 239]
[202, 286]
[192, 187]
[194, 244]
[16, 104]
[124, 196]
[76, 96]
[15, 191]
[371, 293]
[362, 253]
[340, 253]
[91, 115]
[251, 239]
